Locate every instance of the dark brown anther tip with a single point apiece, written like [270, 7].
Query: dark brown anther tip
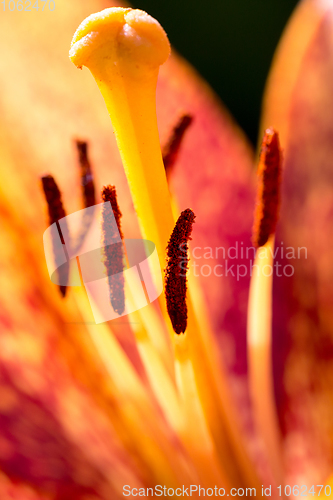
[175, 273]
[268, 193]
[113, 254]
[109, 193]
[173, 145]
[87, 179]
[56, 212]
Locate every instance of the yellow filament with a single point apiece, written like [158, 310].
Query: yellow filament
[136, 418]
[218, 406]
[212, 386]
[259, 338]
[160, 380]
[118, 365]
[151, 324]
[195, 434]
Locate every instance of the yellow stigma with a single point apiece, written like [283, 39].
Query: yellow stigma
[119, 34]
[123, 48]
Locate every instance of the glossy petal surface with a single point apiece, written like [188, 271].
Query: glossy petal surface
[298, 103]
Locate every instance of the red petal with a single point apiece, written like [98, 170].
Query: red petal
[214, 176]
[299, 103]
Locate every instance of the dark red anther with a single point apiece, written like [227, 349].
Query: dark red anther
[113, 254]
[175, 273]
[268, 194]
[109, 194]
[172, 147]
[88, 194]
[87, 180]
[56, 212]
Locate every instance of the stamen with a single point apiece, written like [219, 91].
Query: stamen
[175, 273]
[172, 147]
[113, 254]
[268, 197]
[56, 212]
[88, 193]
[259, 321]
[109, 193]
[87, 180]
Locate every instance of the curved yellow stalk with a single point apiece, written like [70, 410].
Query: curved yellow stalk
[259, 339]
[134, 402]
[124, 48]
[195, 434]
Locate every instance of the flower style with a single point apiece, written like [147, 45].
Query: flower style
[86, 409]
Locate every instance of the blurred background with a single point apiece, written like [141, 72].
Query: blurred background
[230, 42]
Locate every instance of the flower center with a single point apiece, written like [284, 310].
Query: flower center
[123, 49]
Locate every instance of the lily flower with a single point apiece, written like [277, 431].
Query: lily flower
[159, 398]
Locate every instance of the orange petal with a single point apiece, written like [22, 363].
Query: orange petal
[53, 434]
[298, 103]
